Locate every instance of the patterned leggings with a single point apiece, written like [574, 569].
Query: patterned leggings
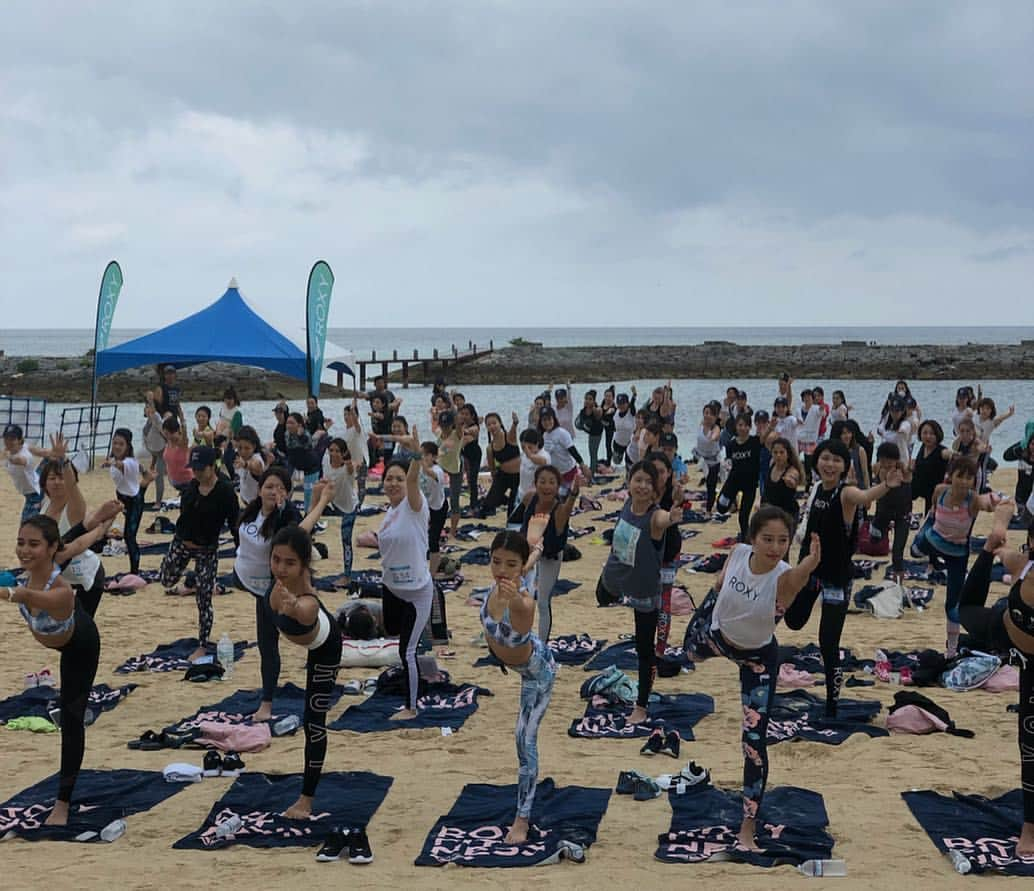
[134, 511]
[206, 563]
[321, 669]
[347, 525]
[759, 671]
[537, 676]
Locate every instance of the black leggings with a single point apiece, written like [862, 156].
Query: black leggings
[91, 599]
[885, 515]
[747, 488]
[435, 525]
[646, 653]
[79, 658]
[503, 489]
[472, 464]
[608, 443]
[987, 624]
[134, 512]
[831, 626]
[269, 647]
[321, 668]
[407, 616]
[712, 484]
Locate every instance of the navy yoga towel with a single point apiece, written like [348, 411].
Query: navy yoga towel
[983, 830]
[791, 828]
[679, 711]
[237, 708]
[801, 715]
[444, 705]
[36, 702]
[473, 832]
[100, 797]
[173, 656]
[622, 654]
[344, 800]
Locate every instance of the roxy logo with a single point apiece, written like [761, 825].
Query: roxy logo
[741, 587]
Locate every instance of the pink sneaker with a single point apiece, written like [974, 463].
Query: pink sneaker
[46, 679]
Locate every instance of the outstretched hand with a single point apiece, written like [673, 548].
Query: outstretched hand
[58, 446]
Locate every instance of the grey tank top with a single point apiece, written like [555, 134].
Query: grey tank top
[634, 565]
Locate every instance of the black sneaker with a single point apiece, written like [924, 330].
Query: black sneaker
[232, 764]
[213, 763]
[655, 744]
[627, 780]
[672, 744]
[359, 847]
[333, 846]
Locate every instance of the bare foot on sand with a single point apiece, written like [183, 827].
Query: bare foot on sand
[58, 816]
[1024, 847]
[746, 837]
[263, 713]
[300, 810]
[639, 714]
[403, 715]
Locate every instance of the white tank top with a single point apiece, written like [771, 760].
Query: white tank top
[252, 561]
[623, 427]
[249, 486]
[745, 610]
[402, 539]
[707, 448]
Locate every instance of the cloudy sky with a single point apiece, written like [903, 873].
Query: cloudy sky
[573, 163]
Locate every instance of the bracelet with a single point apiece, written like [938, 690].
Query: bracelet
[10, 595]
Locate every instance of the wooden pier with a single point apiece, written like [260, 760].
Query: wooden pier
[428, 364]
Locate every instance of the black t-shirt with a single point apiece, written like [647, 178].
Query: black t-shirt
[589, 423]
[382, 426]
[170, 399]
[202, 516]
[745, 457]
[314, 421]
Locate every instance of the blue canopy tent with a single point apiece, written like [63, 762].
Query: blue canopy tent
[228, 330]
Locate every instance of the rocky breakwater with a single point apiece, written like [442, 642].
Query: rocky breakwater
[723, 359]
[67, 379]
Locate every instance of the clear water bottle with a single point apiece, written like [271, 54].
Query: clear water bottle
[960, 861]
[224, 654]
[229, 827]
[824, 868]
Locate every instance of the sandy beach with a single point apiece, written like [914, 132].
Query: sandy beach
[860, 780]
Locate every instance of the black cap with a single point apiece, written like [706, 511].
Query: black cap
[669, 439]
[560, 392]
[202, 457]
[760, 416]
[781, 400]
[621, 399]
[13, 431]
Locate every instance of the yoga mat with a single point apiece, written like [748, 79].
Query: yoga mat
[443, 705]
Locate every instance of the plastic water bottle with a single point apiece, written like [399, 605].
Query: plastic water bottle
[224, 653]
[230, 826]
[823, 868]
[287, 724]
[960, 861]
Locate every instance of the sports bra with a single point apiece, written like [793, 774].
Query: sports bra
[507, 453]
[42, 623]
[1021, 612]
[500, 630]
[953, 523]
[290, 625]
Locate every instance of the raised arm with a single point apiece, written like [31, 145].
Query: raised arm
[323, 493]
[413, 493]
[791, 581]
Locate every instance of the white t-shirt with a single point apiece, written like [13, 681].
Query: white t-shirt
[82, 569]
[433, 484]
[708, 450]
[528, 468]
[902, 437]
[787, 429]
[557, 441]
[984, 428]
[957, 415]
[808, 432]
[745, 609]
[344, 485]
[624, 425]
[252, 561]
[353, 437]
[248, 484]
[565, 417]
[403, 544]
[127, 480]
[24, 475]
[838, 413]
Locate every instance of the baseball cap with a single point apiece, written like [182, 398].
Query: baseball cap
[760, 416]
[781, 400]
[202, 457]
[622, 399]
[669, 439]
[13, 431]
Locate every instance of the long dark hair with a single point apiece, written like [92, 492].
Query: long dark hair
[254, 508]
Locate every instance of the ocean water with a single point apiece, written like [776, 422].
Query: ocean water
[361, 341]
[935, 398]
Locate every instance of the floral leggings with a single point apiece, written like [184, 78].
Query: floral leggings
[759, 671]
[206, 562]
[537, 677]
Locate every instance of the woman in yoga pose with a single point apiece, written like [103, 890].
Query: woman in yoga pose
[301, 618]
[130, 482]
[832, 514]
[263, 517]
[755, 586]
[632, 573]
[1008, 625]
[543, 519]
[58, 621]
[507, 616]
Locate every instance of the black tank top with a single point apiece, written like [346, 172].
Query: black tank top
[507, 453]
[553, 542]
[928, 472]
[779, 494]
[836, 538]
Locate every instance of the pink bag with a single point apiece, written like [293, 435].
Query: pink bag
[913, 719]
[681, 605]
[235, 737]
[794, 677]
[1002, 681]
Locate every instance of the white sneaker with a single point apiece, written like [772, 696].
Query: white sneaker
[693, 774]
